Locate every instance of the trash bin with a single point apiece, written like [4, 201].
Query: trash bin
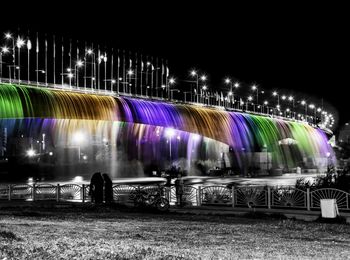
[329, 208]
[298, 170]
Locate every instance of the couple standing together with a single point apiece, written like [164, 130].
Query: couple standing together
[101, 188]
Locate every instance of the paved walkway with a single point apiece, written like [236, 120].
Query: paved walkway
[201, 210]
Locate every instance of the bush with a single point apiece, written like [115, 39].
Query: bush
[336, 180]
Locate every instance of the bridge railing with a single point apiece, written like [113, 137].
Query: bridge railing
[241, 196]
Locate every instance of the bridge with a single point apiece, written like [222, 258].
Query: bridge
[61, 116]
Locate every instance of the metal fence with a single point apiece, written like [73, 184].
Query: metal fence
[252, 196]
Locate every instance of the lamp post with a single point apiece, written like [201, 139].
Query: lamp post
[78, 65]
[266, 104]
[312, 106]
[291, 99]
[203, 78]
[130, 73]
[275, 94]
[3, 51]
[91, 53]
[231, 93]
[8, 36]
[203, 94]
[19, 43]
[255, 88]
[249, 99]
[170, 82]
[29, 47]
[303, 103]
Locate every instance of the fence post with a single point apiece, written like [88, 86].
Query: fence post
[199, 200]
[308, 199]
[233, 196]
[10, 191]
[269, 197]
[168, 193]
[83, 193]
[58, 192]
[33, 192]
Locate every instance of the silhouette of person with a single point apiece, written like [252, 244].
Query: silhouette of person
[179, 187]
[96, 188]
[108, 188]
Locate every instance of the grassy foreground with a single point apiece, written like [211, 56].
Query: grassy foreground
[130, 235]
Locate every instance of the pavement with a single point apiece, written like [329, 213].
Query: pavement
[305, 215]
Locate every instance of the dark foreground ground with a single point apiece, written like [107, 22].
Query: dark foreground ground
[105, 233]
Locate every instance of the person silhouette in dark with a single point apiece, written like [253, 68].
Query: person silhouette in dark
[179, 189]
[108, 188]
[96, 188]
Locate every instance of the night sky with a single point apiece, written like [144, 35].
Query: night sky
[302, 49]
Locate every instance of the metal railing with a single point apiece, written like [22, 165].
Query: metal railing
[250, 196]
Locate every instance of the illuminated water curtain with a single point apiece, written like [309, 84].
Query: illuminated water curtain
[96, 127]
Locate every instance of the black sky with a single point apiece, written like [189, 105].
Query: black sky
[298, 48]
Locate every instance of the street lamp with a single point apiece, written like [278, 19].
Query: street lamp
[20, 42]
[93, 68]
[204, 88]
[303, 103]
[78, 65]
[8, 36]
[312, 106]
[29, 47]
[194, 73]
[265, 104]
[231, 93]
[278, 96]
[130, 72]
[3, 51]
[255, 88]
[250, 98]
[171, 81]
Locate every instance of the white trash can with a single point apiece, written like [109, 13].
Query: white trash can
[329, 208]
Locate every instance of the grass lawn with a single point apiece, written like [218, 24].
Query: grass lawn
[115, 234]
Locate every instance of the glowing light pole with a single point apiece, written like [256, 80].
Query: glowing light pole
[291, 99]
[303, 103]
[29, 47]
[170, 82]
[8, 36]
[231, 93]
[203, 78]
[266, 104]
[78, 65]
[275, 94]
[20, 42]
[130, 73]
[312, 106]
[255, 88]
[249, 99]
[93, 63]
[3, 51]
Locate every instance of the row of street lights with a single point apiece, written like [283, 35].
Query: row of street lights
[138, 73]
[90, 59]
[229, 101]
